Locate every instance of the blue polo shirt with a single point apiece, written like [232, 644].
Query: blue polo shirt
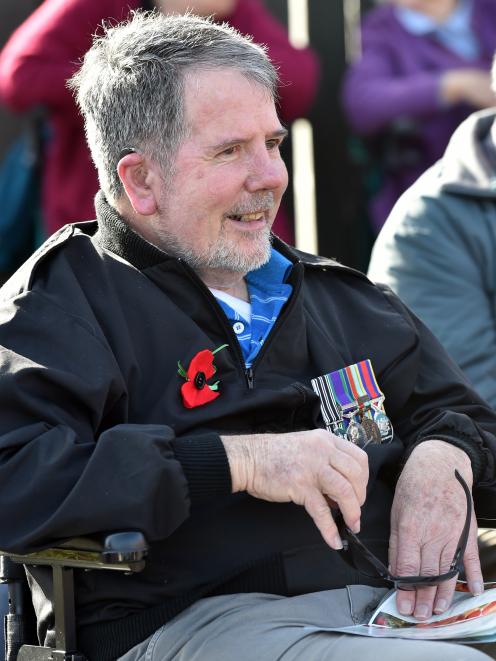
[268, 293]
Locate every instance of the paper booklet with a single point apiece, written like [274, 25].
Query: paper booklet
[468, 617]
[468, 620]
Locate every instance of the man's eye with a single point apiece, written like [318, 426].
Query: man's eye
[230, 151]
[273, 144]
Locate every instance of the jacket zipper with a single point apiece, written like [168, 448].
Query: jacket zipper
[281, 318]
[232, 339]
[249, 377]
[249, 372]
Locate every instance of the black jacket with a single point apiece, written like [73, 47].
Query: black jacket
[94, 435]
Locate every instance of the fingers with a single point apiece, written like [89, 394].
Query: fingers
[432, 560]
[471, 560]
[317, 507]
[341, 489]
[353, 467]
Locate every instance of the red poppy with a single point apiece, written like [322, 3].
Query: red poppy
[196, 391]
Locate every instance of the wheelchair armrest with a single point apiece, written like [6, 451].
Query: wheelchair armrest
[122, 551]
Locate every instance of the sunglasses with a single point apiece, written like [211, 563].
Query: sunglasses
[358, 556]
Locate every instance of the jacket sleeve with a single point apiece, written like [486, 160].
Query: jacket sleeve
[432, 399]
[298, 67]
[443, 268]
[45, 51]
[68, 466]
[375, 93]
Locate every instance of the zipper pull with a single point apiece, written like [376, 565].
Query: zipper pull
[249, 377]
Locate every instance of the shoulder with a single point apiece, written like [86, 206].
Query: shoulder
[69, 245]
[334, 289]
[318, 264]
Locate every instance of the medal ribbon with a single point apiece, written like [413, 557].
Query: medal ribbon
[329, 406]
[342, 390]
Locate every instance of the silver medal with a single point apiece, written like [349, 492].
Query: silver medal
[384, 425]
[356, 434]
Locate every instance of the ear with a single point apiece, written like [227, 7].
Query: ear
[136, 176]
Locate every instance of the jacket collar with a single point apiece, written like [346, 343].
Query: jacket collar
[115, 235]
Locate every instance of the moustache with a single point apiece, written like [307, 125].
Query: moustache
[257, 202]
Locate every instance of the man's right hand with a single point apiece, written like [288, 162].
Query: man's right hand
[313, 468]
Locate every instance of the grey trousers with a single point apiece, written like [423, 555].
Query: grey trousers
[263, 627]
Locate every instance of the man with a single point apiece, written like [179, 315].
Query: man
[157, 370]
[437, 250]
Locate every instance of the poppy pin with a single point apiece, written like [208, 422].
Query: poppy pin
[196, 391]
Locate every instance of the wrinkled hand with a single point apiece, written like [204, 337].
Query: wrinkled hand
[472, 86]
[427, 518]
[313, 468]
[220, 8]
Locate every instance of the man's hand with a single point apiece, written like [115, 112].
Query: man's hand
[313, 468]
[427, 518]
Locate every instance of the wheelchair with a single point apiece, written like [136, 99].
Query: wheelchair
[120, 551]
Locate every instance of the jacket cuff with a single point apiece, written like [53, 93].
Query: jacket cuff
[205, 466]
[474, 454]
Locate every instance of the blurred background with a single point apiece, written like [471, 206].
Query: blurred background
[334, 172]
[329, 182]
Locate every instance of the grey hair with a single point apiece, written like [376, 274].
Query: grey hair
[130, 87]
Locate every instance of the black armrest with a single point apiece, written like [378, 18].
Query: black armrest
[123, 551]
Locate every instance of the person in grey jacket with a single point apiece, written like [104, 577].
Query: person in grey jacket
[437, 250]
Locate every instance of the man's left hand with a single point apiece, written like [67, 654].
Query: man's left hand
[427, 518]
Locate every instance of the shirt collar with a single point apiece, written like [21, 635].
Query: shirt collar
[419, 24]
[273, 272]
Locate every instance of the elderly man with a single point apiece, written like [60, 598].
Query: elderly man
[171, 367]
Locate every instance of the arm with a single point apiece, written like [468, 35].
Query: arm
[375, 93]
[69, 464]
[314, 468]
[379, 87]
[298, 67]
[445, 426]
[45, 50]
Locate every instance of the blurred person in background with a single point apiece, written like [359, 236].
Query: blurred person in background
[425, 66]
[437, 249]
[44, 52]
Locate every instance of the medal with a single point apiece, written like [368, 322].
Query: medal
[371, 429]
[351, 403]
[384, 425]
[339, 428]
[356, 434]
[382, 421]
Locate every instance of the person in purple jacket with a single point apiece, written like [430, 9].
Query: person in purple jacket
[425, 66]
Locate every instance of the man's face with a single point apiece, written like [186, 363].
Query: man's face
[217, 207]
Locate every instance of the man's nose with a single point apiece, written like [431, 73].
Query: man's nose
[267, 172]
